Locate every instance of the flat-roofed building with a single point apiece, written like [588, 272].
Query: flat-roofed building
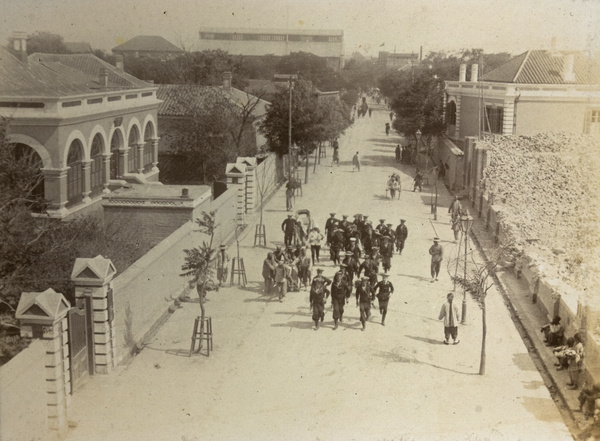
[328, 44]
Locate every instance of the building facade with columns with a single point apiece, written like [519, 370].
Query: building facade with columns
[92, 127]
[537, 91]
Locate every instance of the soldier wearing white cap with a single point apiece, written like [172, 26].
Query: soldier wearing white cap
[363, 300]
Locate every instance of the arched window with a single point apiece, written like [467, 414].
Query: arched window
[134, 137]
[148, 150]
[116, 143]
[97, 183]
[74, 173]
[30, 164]
[451, 113]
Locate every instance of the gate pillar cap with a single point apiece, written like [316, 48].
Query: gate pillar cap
[235, 170]
[96, 271]
[44, 308]
[246, 160]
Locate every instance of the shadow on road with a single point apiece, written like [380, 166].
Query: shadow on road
[403, 357]
[385, 141]
[431, 341]
[294, 324]
[425, 279]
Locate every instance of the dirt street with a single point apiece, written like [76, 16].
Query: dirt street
[271, 377]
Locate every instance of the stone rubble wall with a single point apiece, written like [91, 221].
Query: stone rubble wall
[541, 193]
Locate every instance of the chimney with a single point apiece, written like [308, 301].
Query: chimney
[19, 40]
[227, 76]
[462, 76]
[119, 62]
[568, 74]
[474, 72]
[103, 77]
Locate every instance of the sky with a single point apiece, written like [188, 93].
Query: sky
[369, 25]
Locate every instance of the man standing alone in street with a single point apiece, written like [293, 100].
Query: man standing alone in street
[437, 255]
[355, 162]
[449, 313]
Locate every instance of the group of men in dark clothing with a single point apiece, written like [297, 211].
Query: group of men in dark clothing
[348, 242]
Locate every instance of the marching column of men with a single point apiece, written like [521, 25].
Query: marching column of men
[289, 268]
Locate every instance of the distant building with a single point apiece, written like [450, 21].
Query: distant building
[395, 60]
[78, 47]
[328, 44]
[150, 46]
[534, 92]
[175, 107]
[90, 126]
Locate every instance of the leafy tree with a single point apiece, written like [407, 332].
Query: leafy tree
[46, 43]
[212, 130]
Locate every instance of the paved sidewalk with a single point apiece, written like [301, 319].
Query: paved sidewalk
[529, 319]
[271, 377]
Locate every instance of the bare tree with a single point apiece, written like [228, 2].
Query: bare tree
[477, 279]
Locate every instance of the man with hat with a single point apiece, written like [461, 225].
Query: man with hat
[345, 223]
[449, 313]
[401, 235]
[268, 272]
[222, 264]
[289, 229]
[381, 227]
[353, 247]
[318, 296]
[370, 268]
[337, 242]
[278, 254]
[437, 255]
[383, 290]
[363, 300]
[339, 292]
[352, 266]
[330, 226]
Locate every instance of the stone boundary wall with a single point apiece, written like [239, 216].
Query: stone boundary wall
[551, 296]
[24, 401]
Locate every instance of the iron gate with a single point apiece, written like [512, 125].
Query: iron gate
[80, 348]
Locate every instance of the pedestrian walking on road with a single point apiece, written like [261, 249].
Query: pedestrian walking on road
[363, 300]
[383, 290]
[336, 157]
[370, 111]
[314, 239]
[355, 162]
[281, 279]
[304, 267]
[456, 228]
[398, 153]
[339, 292]
[437, 255]
[318, 296]
[449, 313]
[455, 209]
[289, 230]
[418, 181]
[401, 235]
[387, 129]
[289, 195]
[391, 116]
[268, 272]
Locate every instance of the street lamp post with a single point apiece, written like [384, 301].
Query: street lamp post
[466, 222]
[416, 154]
[291, 78]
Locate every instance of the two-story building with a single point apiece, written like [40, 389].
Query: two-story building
[534, 92]
[92, 126]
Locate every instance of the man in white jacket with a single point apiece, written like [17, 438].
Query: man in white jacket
[449, 313]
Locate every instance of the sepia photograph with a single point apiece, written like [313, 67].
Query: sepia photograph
[300, 220]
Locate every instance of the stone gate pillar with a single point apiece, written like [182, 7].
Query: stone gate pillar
[93, 278]
[251, 188]
[43, 315]
[236, 176]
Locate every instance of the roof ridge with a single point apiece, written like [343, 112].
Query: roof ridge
[514, 80]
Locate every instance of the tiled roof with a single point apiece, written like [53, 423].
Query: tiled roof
[147, 43]
[58, 75]
[545, 67]
[179, 98]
